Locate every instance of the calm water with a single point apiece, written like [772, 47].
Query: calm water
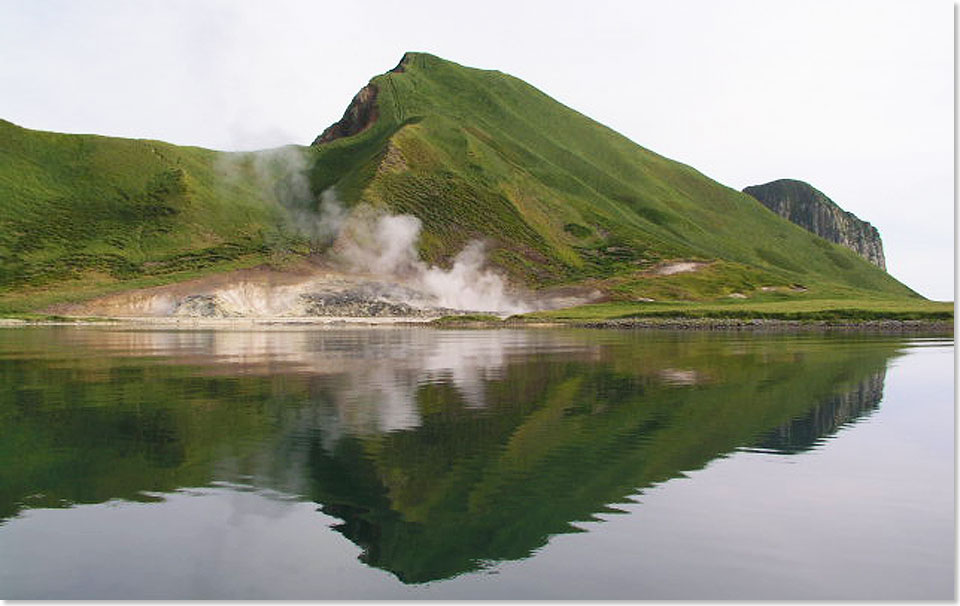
[416, 463]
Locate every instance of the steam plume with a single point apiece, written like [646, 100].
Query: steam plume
[369, 240]
[385, 245]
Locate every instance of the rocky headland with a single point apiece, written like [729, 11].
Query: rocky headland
[809, 208]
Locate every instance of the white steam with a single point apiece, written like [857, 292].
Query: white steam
[369, 240]
[469, 285]
[280, 177]
[385, 246]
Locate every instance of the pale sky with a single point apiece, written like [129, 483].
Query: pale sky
[856, 97]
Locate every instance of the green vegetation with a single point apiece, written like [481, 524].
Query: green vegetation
[803, 310]
[82, 215]
[559, 198]
[480, 154]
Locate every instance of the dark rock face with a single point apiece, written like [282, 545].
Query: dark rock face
[343, 304]
[362, 111]
[373, 300]
[802, 204]
[356, 305]
[360, 114]
[399, 69]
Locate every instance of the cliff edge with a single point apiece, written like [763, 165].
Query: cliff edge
[806, 206]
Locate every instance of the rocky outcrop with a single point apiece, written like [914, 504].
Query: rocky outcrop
[364, 300]
[362, 111]
[360, 114]
[358, 304]
[810, 209]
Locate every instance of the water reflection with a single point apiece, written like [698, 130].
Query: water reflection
[439, 451]
[825, 419]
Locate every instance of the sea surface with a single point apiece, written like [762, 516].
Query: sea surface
[389, 462]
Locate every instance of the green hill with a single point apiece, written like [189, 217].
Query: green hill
[476, 153]
[559, 198]
[84, 213]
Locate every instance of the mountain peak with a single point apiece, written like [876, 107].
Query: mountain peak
[363, 110]
[477, 154]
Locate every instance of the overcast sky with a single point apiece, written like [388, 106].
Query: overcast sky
[854, 97]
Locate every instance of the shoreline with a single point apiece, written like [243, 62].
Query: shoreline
[772, 325]
[234, 322]
[683, 324]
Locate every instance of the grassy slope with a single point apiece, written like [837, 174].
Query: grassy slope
[472, 153]
[84, 214]
[479, 153]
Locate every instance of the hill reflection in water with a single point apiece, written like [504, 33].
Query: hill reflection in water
[440, 451]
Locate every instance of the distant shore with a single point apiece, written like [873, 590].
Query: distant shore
[766, 324]
[929, 326]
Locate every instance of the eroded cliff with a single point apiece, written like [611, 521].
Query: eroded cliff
[360, 114]
[809, 208]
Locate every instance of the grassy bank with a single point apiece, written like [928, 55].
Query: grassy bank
[822, 310]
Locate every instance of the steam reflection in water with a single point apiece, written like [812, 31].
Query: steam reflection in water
[437, 454]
